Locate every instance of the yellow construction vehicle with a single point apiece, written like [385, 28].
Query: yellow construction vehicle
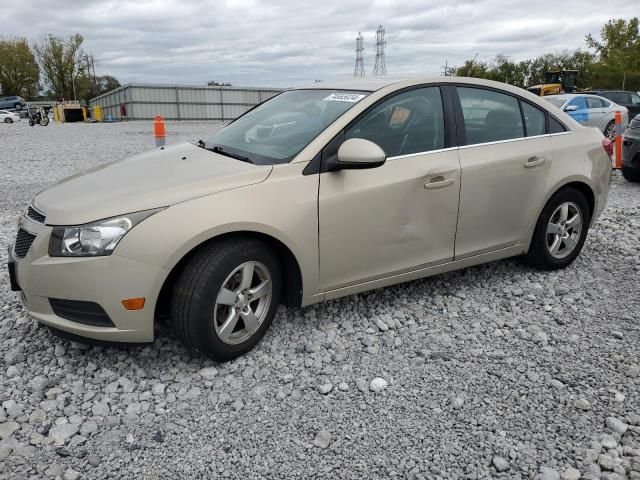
[559, 81]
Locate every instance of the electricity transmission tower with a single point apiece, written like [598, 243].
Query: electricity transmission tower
[358, 71]
[380, 67]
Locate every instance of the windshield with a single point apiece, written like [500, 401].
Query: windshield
[556, 101]
[277, 130]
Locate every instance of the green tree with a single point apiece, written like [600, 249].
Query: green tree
[62, 62]
[19, 72]
[618, 49]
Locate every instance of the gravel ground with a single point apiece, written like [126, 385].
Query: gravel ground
[497, 371]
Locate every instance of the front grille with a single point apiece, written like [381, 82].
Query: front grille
[88, 313]
[35, 215]
[23, 243]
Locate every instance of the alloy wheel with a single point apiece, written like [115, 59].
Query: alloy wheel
[564, 230]
[243, 302]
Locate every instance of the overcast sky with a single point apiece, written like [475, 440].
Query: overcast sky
[289, 42]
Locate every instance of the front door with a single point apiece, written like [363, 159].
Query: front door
[397, 217]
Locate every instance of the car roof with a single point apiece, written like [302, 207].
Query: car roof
[372, 84]
[569, 96]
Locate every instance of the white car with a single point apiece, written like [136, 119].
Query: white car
[8, 117]
[591, 111]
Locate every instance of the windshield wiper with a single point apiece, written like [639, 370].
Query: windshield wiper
[221, 151]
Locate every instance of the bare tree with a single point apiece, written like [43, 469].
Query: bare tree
[61, 62]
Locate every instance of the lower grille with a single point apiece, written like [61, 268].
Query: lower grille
[87, 313]
[23, 243]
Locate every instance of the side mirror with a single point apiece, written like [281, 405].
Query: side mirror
[570, 108]
[358, 153]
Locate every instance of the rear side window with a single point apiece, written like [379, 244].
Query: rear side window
[410, 122]
[534, 119]
[593, 102]
[490, 116]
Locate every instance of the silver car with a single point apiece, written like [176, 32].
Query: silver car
[591, 111]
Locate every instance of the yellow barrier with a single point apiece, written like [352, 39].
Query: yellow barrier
[97, 113]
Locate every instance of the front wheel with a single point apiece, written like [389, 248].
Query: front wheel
[18, 106]
[226, 297]
[8, 120]
[561, 231]
[31, 122]
[44, 121]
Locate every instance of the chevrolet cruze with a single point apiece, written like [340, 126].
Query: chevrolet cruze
[317, 193]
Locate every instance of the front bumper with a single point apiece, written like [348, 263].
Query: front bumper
[105, 281]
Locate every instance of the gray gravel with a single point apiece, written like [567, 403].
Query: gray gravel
[498, 371]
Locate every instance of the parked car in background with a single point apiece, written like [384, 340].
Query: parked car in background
[12, 103]
[8, 117]
[591, 111]
[631, 151]
[319, 192]
[630, 100]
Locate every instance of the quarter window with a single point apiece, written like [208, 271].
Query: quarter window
[555, 126]
[410, 122]
[534, 120]
[490, 116]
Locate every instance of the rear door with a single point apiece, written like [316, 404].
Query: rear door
[504, 163]
[598, 111]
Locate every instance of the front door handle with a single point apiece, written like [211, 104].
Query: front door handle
[438, 182]
[534, 162]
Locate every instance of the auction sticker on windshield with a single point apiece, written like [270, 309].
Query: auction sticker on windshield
[344, 97]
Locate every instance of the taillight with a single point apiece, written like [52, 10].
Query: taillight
[608, 146]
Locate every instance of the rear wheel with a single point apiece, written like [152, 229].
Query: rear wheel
[561, 231]
[226, 297]
[44, 121]
[8, 120]
[631, 175]
[609, 130]
[18, 106]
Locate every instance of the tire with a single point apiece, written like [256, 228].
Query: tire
[200, 308]
[8, 120]
[570, 240]
[31, 122]
[631, 175]
[44, 121]
[609, 130]
[18, 106]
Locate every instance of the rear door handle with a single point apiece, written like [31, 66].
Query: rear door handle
[534, 162]
[438, 182]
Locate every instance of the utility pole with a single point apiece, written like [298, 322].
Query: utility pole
[380, 67]
[445, 71]
[358, 71]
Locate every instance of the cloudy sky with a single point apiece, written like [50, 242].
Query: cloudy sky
[289, 42]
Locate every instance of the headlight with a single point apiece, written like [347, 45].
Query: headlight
[94, 239]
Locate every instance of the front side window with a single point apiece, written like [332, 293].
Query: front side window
[410, 122]
[490, 116]
[277, 130]
[535, 120]
[579, 102]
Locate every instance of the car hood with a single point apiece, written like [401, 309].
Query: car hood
[153, 179]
